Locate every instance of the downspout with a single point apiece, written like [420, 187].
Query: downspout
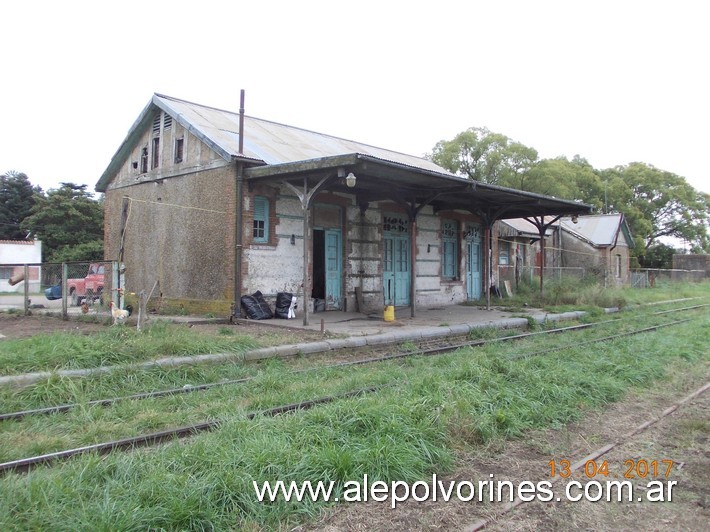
[239, 215]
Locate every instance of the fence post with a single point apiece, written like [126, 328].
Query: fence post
[27, 290]
[65, 275]
[116, 285]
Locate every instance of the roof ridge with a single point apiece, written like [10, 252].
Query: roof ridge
[23, 242]
[299, 128]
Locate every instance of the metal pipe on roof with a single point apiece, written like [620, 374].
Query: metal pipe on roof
[241, 123]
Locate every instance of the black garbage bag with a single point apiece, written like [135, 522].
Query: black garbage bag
[256, 307]
[283, 304]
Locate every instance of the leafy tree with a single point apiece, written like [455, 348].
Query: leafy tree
[519, 160]
[658, 256]
[65, 218]
[658, 203]
[16, 201]
[482, 155]
[564, 179]
[88, 251]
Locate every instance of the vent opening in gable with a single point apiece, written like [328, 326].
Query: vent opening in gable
[167, 121]
[156, 124]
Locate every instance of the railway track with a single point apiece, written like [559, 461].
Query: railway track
[25, 464]
[425, 347]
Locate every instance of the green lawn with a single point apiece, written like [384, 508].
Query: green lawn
[433, 407]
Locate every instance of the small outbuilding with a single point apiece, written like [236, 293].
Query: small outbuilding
[578, 246]
[600, 244]
[14, 255]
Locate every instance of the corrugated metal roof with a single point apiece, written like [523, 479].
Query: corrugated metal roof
[600, 230]
[272, 142]
[522, 226]
[279, 152]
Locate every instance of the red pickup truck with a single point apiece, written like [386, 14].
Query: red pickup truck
[89, 288]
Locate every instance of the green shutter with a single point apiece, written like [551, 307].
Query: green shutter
[449, 244]
[261, 219]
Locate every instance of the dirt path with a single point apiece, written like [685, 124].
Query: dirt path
[681, 437]
[14, 326]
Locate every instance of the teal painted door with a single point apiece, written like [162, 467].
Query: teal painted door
[473, 264]
[333, 269]
[397, 270]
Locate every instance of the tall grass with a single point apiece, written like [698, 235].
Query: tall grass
[115, 345]
[569, 293]
[405, 432]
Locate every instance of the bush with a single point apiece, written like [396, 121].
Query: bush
[585, 292]
[88, 251]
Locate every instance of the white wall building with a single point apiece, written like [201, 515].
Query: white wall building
[14, 254]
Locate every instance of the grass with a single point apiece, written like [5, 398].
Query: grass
[115, 345]
[568, 293]
[437, 405]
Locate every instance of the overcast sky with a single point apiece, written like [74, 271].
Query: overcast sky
[613, 81]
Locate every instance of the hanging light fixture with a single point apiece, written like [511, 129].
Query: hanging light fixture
[350, 180]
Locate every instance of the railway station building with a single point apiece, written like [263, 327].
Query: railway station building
[214, 204]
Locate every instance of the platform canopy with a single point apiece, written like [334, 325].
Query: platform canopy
[378, 180]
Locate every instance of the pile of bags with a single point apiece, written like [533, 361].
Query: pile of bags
[257, 308]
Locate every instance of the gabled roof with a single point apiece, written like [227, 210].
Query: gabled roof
[265, 142]
[600, 230]
[521, 227]
[278, 153]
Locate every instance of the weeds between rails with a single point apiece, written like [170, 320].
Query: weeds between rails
[25, 464]
[444, 346]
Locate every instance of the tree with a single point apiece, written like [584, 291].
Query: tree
[88, 251]
[658, 256]
[519, 161]
[482, 155]
[572, 180]
[658, 203]
[64, 218]
[16, 201]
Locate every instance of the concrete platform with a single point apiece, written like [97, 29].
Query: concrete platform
[344, 330]
[357, 330]
[455, 319]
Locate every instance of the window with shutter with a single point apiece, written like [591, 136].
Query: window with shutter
[179, 145]
[261, 219]
[155, 154]
[449, 245]
[144, 160]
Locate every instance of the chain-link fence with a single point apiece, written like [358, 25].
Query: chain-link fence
[639, 278]
[531, 274]
[647, 278]
[76, 288]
